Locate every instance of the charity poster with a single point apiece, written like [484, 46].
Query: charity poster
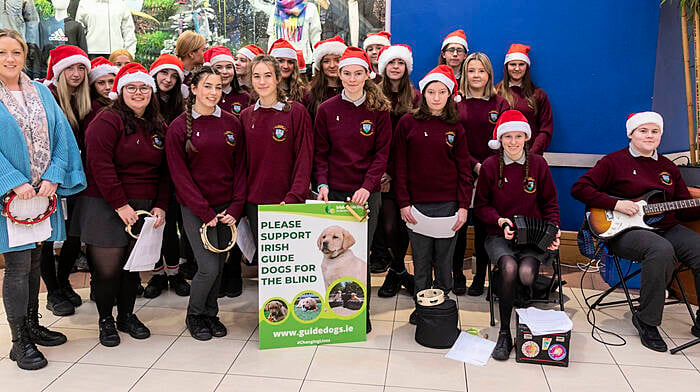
[312, 272]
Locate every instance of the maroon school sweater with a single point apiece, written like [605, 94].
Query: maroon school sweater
[540, 122]
[330, 93]
[214, 175]
[352, 145]
[96, 107]
[536, 198]
[394, 122]
[234, 103]
[123, 166]
[279, 153]
[432, 162]
[478, 117]
[621, 175]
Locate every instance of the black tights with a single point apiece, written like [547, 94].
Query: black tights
[111, 280]
[513, 271]
[54, 277]
[395, 233]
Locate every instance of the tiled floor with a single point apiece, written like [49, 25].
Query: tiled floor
[390, 360]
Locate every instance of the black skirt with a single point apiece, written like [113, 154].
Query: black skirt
[96, 223]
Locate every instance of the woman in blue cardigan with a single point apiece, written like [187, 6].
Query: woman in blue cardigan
[38, 157]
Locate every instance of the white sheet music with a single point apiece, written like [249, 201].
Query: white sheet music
[146, 252]
[545, 322]
[471, 349]
[245, 239]
[432, 227]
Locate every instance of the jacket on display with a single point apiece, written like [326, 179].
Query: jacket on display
[311, 32]
[108, 24]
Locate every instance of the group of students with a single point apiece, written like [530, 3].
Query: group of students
[224, 134]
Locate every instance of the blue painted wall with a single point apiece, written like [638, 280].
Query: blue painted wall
[596, 60]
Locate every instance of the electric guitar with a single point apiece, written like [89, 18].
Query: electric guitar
[608, 224]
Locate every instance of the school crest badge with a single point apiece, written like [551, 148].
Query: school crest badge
[230, 138]
[450, 138]
[279, 133]
[493, 117]
[530, 185]
[367, 128]
[665, 178]
[157, 141]
[236, 107]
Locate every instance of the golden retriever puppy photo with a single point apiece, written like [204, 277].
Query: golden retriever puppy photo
[277, 311]
[338, 260]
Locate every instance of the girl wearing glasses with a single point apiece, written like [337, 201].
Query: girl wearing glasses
[126, 171]
[454, 51]
[524, 96]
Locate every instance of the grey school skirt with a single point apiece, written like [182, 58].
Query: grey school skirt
[96, 223]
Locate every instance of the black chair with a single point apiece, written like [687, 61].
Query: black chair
[554, 284]
[628, 298]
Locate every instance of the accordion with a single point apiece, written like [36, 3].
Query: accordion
[533, 231]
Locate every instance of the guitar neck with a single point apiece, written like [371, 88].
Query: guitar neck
[657, 208]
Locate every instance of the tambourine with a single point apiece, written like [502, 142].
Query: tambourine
[21, 213]
[128, 227]
[211, 248]
[430, 297]
[360, 218]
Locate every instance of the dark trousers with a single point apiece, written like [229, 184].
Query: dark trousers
[20, 285]
[172, 242]
[204, 291]
[482, 259]
[251, 211]
[658, 252]
[433, 254]
[54, 277]
[374, 202]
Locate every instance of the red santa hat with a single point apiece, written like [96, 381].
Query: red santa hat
[356, 56]
[443, 74]
[217, 54]
[334, 45]
[99, 67]
[509, 121]
[250, 51]
[131, 73]
[634, 120]
[518, 52]
[283, 49]
[168, 61]
[398, 51]
[301, 62]
[456, 37]
[381, 38]
[63, 57]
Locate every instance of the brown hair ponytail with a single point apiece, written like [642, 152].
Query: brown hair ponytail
[189, 146]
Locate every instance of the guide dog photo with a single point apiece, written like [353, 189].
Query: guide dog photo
[338, 260]
[276, 311]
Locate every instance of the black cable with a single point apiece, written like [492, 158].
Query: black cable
[591, 313]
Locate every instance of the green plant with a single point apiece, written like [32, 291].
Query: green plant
[161, 9]
[149, 45]
[45, 9]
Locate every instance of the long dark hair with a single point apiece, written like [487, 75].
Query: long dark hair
[297, 87]
[197, 75]
[449, 112]
[151, 120]
[317, 93]
[175, 102]
[406, 93]
[95, 96]
[502, 164]
[527, 86]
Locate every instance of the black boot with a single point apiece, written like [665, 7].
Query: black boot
[503, 346]
[408, 282]
[391, 285]
[24, 351]
[477, 287]
[649, 334]
[179, 284]
[58, 304]
[42, 335]
[70, 294]
[156, 285]
[459, 283]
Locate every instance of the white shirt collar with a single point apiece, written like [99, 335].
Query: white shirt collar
[511, 84]
[468, 95]
[356, 103]
[279, 106]
[217, 113]
[635, 154]
[507, 161]
[227, 90]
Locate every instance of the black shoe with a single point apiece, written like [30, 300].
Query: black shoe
[179, 284]
[369, 325]
[24, 351]
[109, 336]
[218, 330]
[188, 269]
[130, 324]
[459, 284]
[503, 346]
[408, 282]
[156, 285]
[413, 318]
[391, 285]
[695, 330]
[378, 267]
[71, 295]
[198, 327]
[650, 336]
[139, 289]
[477, 287]
[234, 287]
[42, 335]
[59, 305]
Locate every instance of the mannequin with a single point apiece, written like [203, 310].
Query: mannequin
[310, 32]
[59, 29]
[109, 26]
[350, 19]
[20, 15]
